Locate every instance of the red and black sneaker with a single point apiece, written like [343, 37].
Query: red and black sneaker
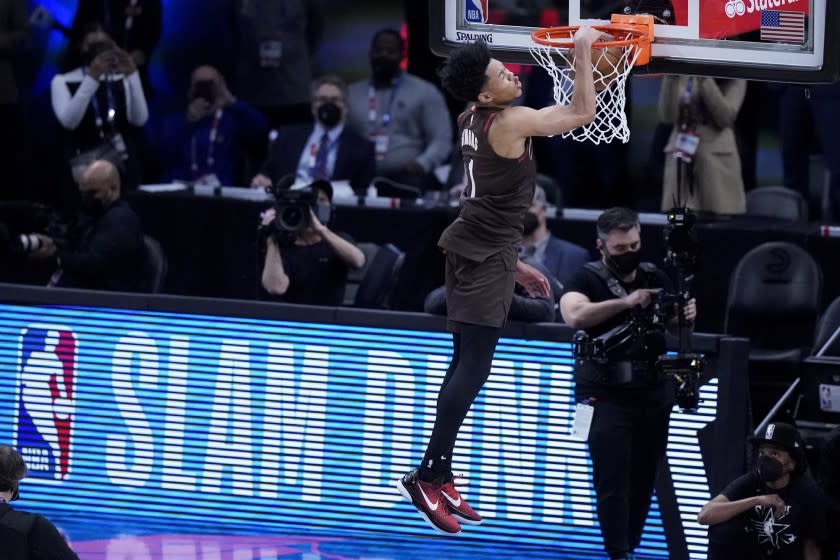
[426, 497]
[458, 506]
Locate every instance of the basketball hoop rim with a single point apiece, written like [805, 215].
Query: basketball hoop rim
[640, 38]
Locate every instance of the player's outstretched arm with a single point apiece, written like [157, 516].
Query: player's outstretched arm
[557, 119]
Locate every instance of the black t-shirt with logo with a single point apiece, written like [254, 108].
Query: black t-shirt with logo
[780, 537]
[317, 275]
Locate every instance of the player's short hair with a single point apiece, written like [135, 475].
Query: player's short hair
[464, 73]
[617, 218]
[12, 468]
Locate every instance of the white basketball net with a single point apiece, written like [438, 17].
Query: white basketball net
[610, 119]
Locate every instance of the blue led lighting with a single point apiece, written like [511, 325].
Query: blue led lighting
[182, 412]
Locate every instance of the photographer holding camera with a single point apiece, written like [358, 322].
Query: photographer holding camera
[626, 400]
[103, 107]
[104, 248]
[305, 261]
[207, 142]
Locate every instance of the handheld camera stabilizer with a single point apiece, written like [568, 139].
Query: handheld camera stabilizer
[683, 367]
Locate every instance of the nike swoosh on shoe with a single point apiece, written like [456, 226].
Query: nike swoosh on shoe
[432, 505]
[455, 503]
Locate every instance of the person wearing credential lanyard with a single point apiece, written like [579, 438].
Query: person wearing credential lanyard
[623, 405]
[329, 149]
[702, 166]
[25, 535]
[207, 142]
[404, 116]
[277, 57]
[102, 104]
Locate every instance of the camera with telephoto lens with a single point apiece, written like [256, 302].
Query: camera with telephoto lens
[20, 222]
[18, 243]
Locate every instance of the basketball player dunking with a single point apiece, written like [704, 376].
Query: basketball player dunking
[480, 246]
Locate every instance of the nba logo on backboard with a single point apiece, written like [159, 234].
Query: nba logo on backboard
[476, 11]
[45, 400]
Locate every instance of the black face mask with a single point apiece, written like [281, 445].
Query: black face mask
[530, 223]
[329, 114]
[769, 469]
[384, 68]
[90, 205]
[623, 264]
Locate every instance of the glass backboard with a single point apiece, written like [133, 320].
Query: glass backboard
[776, 40]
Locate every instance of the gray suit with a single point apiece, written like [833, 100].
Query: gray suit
[14, 33]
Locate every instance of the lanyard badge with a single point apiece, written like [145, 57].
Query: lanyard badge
[379, 135]
[210, 160]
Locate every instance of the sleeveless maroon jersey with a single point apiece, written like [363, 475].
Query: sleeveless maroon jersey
[498, 193]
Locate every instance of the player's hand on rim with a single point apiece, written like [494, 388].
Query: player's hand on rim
[586, 36]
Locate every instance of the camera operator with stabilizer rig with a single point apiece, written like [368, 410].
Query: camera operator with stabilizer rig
[623, 307]
[305, 261]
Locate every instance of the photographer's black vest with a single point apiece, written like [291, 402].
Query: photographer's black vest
[613, 285]
[624, 373]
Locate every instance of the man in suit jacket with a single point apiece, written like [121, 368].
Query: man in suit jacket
[329, 149]
[561, 258]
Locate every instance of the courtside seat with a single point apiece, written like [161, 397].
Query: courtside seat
[157, 264]
[354, 277]
[380, 278]
[774, 298]
[829, 322]
[777, 202]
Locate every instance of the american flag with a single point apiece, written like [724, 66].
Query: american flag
[782, 26]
